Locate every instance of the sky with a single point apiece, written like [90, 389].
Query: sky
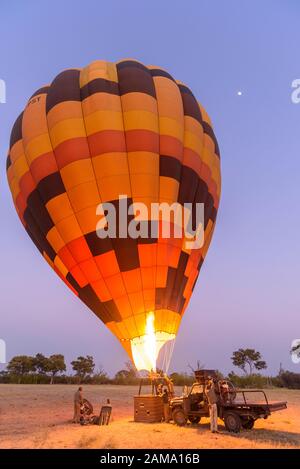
[247, 294]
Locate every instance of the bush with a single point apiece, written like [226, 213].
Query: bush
[27, 378]
[276, 382]
[182, 379]
[101, 378]
[250, 381]
[290, 380]
[125, 377]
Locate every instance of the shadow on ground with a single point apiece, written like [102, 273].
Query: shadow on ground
[264, 435]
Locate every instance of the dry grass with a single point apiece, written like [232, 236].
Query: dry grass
[40, 417]
[86, 441]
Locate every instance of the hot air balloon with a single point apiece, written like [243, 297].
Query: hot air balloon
[92, 135]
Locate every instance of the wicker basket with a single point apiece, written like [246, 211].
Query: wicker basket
[148, 408]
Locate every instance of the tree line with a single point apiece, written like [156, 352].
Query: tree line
[39, 369]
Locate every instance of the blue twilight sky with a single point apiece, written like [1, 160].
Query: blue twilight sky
[248, 291]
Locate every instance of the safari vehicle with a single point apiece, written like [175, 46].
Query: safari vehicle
[235, 407]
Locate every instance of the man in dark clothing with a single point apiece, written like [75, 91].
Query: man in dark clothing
[165, 398]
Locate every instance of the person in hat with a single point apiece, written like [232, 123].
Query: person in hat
[225, 392]
[211, 396]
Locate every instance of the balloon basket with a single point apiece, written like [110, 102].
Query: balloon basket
[148, 404]
[148, 408]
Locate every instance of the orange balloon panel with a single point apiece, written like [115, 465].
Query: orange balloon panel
[94, 134]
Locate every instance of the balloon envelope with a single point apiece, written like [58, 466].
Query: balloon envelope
[94, 134]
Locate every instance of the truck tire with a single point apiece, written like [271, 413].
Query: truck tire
[248, 424]
[179, 417]
[232, 422]
[194, 419]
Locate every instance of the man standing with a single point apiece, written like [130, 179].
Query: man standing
[170, 385]
[165, 398]
[159, 390]
[78, 400]
[212, 403]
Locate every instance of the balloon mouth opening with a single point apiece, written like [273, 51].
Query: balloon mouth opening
[153, 350]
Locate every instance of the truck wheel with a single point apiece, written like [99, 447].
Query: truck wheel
[232, 422]
[194, 419]
[248, 424]
[179, 417]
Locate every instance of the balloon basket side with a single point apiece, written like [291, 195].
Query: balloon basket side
[148, 408]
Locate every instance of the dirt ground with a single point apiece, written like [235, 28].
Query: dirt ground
[39, 416]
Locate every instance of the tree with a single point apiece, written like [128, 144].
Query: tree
[101, 377]
[83, 366]
[128, 375]
[182, 379]
[122, 376]
[248, 357]
[131, 369]
[55, 364]
[41, 363]
[20, 365]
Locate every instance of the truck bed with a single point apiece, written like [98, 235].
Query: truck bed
[270, 406]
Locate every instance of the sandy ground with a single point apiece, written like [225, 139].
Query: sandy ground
[39, 416]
